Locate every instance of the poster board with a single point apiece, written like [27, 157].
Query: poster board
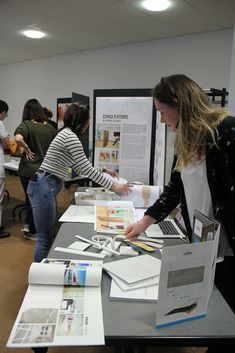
[124, 134]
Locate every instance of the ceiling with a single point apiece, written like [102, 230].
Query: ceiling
[77, 25]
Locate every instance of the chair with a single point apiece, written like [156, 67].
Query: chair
[21, 207]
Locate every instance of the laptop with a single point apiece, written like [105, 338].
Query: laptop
[169, 228]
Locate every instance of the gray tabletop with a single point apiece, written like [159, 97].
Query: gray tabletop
[134, 321]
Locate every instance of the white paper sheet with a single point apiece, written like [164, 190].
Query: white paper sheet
[135, 269]
[127, 286]
[79, 245]
[74, 213]
[149, 293]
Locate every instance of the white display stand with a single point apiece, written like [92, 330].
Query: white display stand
[186, 281]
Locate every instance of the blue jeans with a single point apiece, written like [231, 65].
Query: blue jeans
[42, 195]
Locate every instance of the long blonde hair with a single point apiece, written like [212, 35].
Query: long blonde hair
[197, 119]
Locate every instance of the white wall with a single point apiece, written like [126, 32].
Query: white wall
[231, 101]
[204, 57]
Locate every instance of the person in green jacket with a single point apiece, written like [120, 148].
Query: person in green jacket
[33, 136]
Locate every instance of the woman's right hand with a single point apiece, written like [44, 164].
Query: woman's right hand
[134, 230]
[121, 188]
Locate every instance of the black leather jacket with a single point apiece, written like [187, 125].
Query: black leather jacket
[220, 164]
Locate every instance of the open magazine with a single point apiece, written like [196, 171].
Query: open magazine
[113, 219]
[58, 308]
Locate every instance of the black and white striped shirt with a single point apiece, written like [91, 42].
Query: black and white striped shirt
[65, 152]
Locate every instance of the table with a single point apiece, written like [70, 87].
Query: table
[128, 323]
[11, 163]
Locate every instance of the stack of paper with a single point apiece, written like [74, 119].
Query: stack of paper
[134, 278]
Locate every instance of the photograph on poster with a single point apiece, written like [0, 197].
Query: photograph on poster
[107, 136]
[114, 156]
[104, 156]
[62, 106]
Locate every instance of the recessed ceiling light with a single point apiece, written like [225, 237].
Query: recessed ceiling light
[156, 5]
[33, 33]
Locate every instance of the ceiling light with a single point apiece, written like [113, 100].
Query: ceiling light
[156, 5]
[33, 33]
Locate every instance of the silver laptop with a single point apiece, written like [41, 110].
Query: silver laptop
[168, 228]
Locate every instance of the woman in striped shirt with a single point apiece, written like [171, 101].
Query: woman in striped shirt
[64, 152]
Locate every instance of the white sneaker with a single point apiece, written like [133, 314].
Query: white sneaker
[26, 228]
[30, 236]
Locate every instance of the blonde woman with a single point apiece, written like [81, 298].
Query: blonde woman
[203, 171]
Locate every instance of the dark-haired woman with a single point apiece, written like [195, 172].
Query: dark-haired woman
[65, 152]
[34, 136]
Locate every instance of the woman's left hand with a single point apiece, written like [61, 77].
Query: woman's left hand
[29, 154]
[124, 189]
